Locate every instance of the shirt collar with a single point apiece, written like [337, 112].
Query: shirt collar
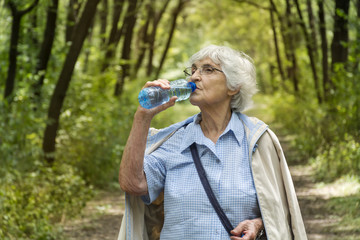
[193, 132]
[236, 126]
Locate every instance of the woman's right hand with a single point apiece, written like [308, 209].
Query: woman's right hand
[150, 113]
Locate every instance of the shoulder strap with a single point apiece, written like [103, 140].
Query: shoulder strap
[202, 174]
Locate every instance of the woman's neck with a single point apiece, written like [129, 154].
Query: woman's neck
[214, 122]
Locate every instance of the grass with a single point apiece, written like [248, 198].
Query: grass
[348, 207]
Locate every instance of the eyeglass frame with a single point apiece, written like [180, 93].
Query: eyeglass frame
[201, 70]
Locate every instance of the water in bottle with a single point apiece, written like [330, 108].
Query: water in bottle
[154, 96]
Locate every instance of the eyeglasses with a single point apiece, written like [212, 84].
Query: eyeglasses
[204, 70]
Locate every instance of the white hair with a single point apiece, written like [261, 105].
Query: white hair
[239, 71]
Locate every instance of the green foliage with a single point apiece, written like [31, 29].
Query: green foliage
[344, 104]
[33, 196]
[303, 119]
[95, 126]
[32, 201]
[342, 158]
[342, 155]
[330, 130]
[20, 133]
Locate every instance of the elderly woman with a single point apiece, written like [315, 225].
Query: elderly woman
[242, 158]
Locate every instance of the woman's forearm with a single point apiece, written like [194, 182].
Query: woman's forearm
[132, 178]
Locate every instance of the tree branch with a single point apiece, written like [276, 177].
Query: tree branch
[254, 4]
[12, 7]
[25, 11]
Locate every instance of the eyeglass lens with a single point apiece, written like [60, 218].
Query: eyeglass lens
[204, 70]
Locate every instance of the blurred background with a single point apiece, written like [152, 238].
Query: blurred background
[71, 70]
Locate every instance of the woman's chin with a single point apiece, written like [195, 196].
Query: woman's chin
[193, 101]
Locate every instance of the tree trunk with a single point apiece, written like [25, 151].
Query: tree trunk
[57, 99]
[288, 37]
[152, 37]
[87, 50]
[310, 49]
[313, 35]
[115, 34]
[71, 18]
[46, 46]
[103, 21]
[357, 47]
[175, 15]
[277, 51]
[13, 51]
[33, 34]
[143, 40]
[285, 33]
[273, 86]
[324, 49]
[339, 47]
[129, 24]
[11, 74]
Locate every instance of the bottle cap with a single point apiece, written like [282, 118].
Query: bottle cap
[192, 85]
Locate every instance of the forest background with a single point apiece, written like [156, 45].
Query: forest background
[70, 72]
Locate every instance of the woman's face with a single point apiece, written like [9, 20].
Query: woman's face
[211, 86]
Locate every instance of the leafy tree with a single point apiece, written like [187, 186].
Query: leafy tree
[17, 15]
[339, 45]
[79, 34]
[46, 46]
[311, 47]
[73, 10]
[324, 49]
[176, 12]
[115, 34]
[155, 17]
[129, 24]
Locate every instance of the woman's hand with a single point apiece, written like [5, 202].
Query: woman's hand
[150, 113]
[247, 230]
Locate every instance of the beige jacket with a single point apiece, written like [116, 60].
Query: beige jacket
[275, 190]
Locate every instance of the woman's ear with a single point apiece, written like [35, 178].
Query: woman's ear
[233, 92]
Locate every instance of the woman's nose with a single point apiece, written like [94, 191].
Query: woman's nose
[196, 76]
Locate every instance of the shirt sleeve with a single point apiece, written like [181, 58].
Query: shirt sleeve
[155, 172]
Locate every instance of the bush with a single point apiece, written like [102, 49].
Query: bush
[342, 158]
[303, 119]
[30, 203]
[33, 196]
[324, 129]
[94, 130]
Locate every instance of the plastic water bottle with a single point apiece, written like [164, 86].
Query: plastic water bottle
[155, 96]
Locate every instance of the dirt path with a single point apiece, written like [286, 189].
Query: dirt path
[320, 221]
[312, 204]
[102, 217]
[100, 220]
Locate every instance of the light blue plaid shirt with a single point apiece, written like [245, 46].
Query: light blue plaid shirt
[188, 211]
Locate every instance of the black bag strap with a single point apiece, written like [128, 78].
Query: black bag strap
[202, 174]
